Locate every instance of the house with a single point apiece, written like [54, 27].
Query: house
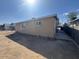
[74, 24]
[10, 26]
[45, 26]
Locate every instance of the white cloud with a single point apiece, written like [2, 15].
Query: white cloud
[66, 13]
[77, 10]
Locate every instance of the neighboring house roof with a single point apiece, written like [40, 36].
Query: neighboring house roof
[76, 20]
[7, 24]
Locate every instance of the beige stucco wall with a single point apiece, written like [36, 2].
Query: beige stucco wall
[47, 27]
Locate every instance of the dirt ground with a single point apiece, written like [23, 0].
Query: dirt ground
[12, 50]
[20, 46]
[5, 33]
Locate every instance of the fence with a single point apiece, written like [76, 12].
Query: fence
[72, 32]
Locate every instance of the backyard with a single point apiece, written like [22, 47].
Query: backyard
[14, 45]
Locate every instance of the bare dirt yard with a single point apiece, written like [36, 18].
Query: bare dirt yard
[12, 50]
[14, 45]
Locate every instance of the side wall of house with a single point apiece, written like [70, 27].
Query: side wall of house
[43, 27]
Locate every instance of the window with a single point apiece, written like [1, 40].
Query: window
[38, 22]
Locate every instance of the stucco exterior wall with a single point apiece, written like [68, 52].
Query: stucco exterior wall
[41, 27]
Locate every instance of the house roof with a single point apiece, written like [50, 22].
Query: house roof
[42, 18]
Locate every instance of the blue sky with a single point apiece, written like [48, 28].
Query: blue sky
[17, 10]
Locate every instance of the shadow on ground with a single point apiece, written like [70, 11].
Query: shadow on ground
[49, 48]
